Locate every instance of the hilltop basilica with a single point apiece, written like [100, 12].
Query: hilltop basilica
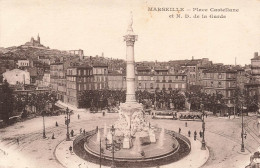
[34, 43]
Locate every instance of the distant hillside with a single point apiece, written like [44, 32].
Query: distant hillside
[3, 50]
[30, 53]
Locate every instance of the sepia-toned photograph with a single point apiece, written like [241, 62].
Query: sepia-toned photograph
[129, 84]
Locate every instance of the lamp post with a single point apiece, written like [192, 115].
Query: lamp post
[203, 143]
[67, 120]
[43, 132]
[242, 133]
[113, 147]
[101, 151]
[155, 100]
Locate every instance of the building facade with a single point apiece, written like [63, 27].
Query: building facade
[23, 63]
[17, 76]
[255, 65]
[159, 79]
[78, 79]
[82, 78]
[58, 80]
[116, 81]
[100, 73]
[222, 82]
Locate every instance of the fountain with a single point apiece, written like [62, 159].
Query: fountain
[161, 138]
[136, 146]
[98, 136]
[135, 139]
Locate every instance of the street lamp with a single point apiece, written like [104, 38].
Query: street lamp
[43, 132]
[242, 133]
[101, 150]
[113, 147]
[203, 143]
[155, 100]
[67, 121]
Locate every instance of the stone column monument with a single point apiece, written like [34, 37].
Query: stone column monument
[131, 116]
[130, 39]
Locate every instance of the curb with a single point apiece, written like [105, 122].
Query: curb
[54, 153]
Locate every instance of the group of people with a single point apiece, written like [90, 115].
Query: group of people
[194, 134]
[190, 116]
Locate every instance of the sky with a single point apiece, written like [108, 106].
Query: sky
[98, 26]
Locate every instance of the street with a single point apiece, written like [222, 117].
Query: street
[222, 136]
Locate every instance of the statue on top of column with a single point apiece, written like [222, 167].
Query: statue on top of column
[130, 28]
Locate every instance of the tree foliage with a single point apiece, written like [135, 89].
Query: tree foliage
[100, 98]
[6, 102]
[41, 101]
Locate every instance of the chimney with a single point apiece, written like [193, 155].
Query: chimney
[256, 54]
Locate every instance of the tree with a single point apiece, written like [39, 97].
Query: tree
[6, 102]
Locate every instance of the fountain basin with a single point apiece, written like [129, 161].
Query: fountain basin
[154, 155]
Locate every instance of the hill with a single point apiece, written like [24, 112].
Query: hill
[19, 52]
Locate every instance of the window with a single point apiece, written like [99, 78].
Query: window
[151, 85]
[176, 86]
[84, 72]
[211, 83]
[219, 84]
[183, 85]
[211, 75]
[140, 85]
[220, 76]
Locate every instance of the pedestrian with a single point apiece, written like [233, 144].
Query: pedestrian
[195, 135]
[103, 113]
[200, 134]
[84, 131]
[179, 130]
[52, 136]
[17, 140]
[189, 133]
[56, 124]
[186, 124]
[80, 130]
[78, 116]
[72, 133]
[206, 115]
[70, 148]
